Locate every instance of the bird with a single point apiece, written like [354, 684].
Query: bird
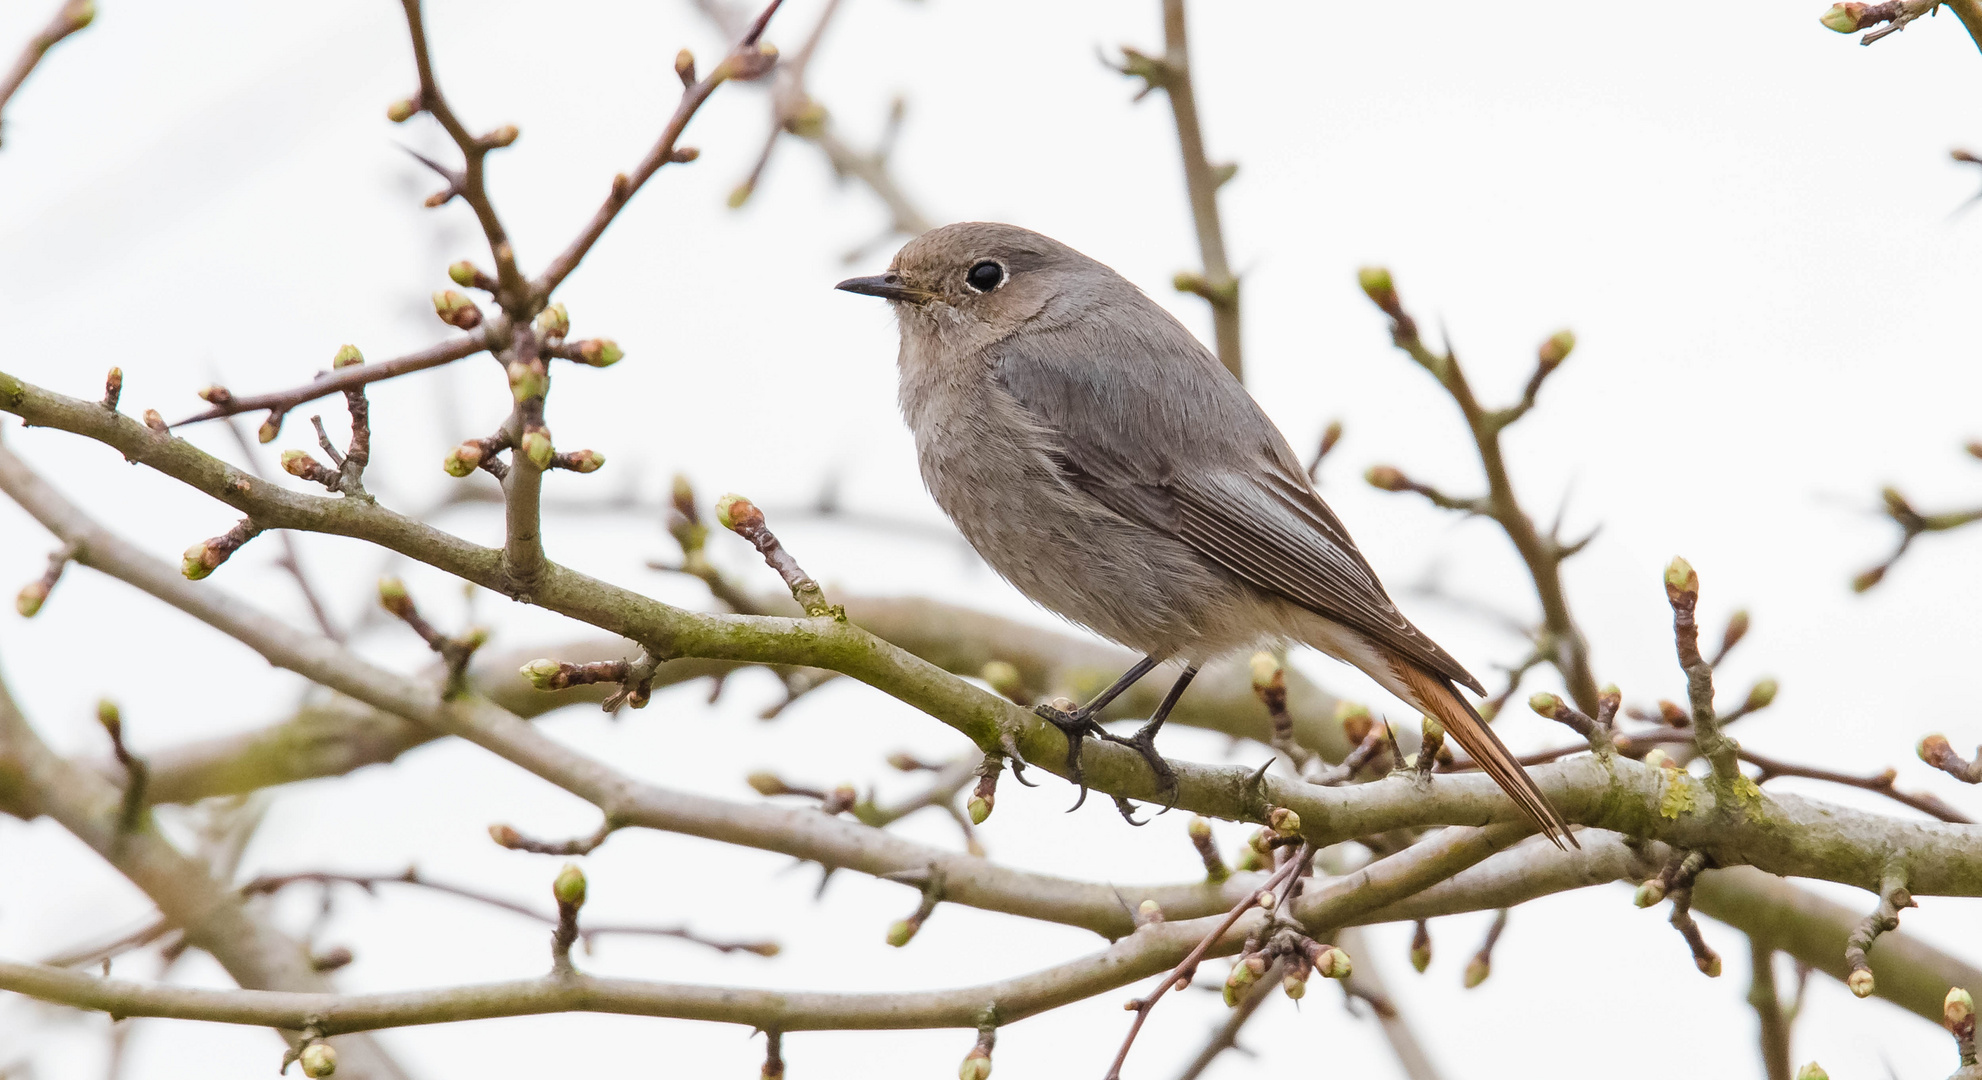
[1101, 460]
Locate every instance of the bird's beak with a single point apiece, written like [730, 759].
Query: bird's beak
[886, 286]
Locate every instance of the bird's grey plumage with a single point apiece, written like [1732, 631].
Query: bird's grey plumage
[1102, 460]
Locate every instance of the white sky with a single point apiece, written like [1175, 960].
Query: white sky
[1745, 218]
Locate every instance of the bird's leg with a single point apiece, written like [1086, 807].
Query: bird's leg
[1144, 740]
[1079, 724]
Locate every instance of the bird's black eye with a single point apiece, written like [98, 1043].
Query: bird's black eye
[985, 276]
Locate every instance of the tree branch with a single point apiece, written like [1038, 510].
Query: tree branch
[72, 16]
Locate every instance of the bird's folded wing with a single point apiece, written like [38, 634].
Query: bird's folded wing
[1189, 453]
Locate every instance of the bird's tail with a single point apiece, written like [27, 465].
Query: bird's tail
[1435, 695]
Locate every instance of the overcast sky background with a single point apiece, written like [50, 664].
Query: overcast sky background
[1746, 219]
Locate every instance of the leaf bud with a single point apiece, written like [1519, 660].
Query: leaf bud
[537, 447]
[1477, 971]
[318, 1059]
[1377, 285]
[394, 598]
[1958, 1008]
[1761, 695]
[1556, 349]
[463, 459]
[30, 599]
[457, 310]
[1843, 18]
[1680, 579]
[569, 888]
[402, 110]
[542, 673]
[1861, 982]
[554, 321]
[1386, 478]
[599, 352]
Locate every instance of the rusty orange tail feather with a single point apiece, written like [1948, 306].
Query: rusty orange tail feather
[1436, 697]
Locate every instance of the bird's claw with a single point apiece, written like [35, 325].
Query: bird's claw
[1074, 726]
[1144, 744]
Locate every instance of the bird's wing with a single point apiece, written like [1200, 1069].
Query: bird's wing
[1152, 428]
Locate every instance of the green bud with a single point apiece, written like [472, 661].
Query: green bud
[1761, 695]
[1869, 578]
[684, 66]
[980, 808]
[502, 136]
[1421, 956]
[1200, 829]
[1386, 478]
[1649, 893]
[1545, 704]
[1376, 284]
[735, 510]
[537, 447]
[976, 1065]
[585, 461]
[527, 382]
[30, 599]
[1477, 971]
[318, 1059]
[740, 194]
[457, 310]
[901, 933]
[296, 462]
[767, 783]
[1237, 982]
[1295, 985]
[194, 562]
[1333, 963]
[1680, 579]
[1709, 965]
[599, 352]
[110, 716]
[1958, 1008]
[1264, 666]
[347, 356]
[542, 673]
[1861, 982]
[1002, 676]
[1843, 18]
[1812, 1071]
[1149, 911]
[463, 273]
[569, 888]
[269, 430]
[463, 459]
[1557, 348]
[1284, 821]
[402, 110]
[554, 321]
[1657, 758]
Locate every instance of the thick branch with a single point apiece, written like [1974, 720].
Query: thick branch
[1785, 834]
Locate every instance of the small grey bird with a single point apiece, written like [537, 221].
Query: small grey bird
[1103, 461]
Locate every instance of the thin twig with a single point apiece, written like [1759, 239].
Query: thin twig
[1217, 284]
[72, 16]
[272, 883]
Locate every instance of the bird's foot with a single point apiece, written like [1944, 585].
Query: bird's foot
[1075, 725]
[1143, 742]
